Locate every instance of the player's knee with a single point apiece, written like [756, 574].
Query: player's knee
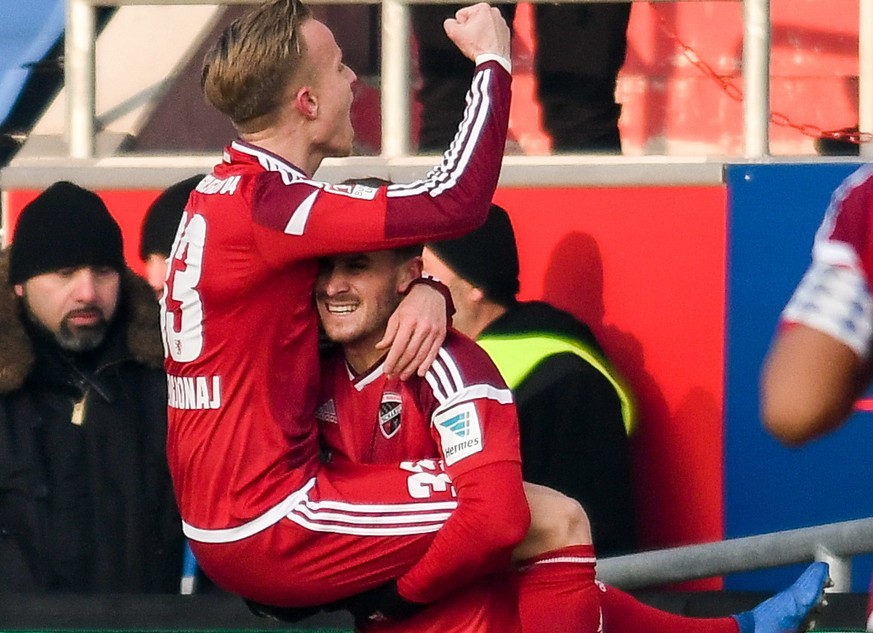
[557, 521]
[573, 521]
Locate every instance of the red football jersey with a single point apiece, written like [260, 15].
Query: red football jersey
[849, 220]
[238, 317]
[461, 412]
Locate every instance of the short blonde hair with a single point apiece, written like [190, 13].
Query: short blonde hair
[248, 69]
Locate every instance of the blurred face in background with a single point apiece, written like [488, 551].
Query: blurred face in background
[156, 272]
[466, 297]
[75, 305]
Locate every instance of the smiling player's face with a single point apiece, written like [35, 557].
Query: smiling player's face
[356, 294]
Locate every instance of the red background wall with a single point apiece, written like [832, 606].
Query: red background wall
[647, 274]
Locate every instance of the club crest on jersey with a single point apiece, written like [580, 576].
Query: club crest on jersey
[460, 432]
[389, 414]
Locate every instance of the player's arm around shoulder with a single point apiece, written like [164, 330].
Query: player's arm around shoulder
[492, 515]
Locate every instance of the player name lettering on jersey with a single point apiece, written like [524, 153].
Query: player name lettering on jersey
[210, 184]
[194, 392]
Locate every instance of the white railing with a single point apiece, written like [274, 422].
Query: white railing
[395, 70]
[834, 543]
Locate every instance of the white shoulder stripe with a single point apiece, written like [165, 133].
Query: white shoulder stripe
[475, 392]
[449, 388]
[451, 366]
[297, 222]
[436, 385]
[453, 164]
[482, 114]
[444, 376]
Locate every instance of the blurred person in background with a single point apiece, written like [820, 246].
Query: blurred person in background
[86, 502]
[575, 411]
[159, 227]
[580, 49]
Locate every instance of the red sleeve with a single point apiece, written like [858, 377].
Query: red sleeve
[475, 425]
[492, 517]
[296, 218]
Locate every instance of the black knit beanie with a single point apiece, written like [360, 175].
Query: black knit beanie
[64, 227]
[486, 257]
[162, 218]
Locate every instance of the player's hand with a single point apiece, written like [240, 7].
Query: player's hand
[478, 30]
[382, 604]
[415, 332]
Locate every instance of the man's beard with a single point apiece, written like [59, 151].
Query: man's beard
[82, 339]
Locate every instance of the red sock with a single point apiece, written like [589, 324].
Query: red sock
[623, 613]
[556, 592]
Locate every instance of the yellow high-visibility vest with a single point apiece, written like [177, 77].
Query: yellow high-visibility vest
[515, 366]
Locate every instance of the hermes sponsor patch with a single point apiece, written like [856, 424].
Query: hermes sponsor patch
[460, 432]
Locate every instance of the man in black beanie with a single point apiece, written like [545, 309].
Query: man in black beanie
[159, 227]
[86, 502]
[575, 412]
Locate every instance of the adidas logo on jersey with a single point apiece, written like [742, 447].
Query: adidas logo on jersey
[327, 412]
[460, 432]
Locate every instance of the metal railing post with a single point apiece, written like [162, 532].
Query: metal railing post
[395, 78]
[865, 73]
[80, 77]
[840, 569]
[756, 78]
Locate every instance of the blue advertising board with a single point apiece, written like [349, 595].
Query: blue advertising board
[773, 213]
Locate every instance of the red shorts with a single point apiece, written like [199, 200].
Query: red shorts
[354, 528]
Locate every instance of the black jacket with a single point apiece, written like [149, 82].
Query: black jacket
[86, 508]
[573, 437]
